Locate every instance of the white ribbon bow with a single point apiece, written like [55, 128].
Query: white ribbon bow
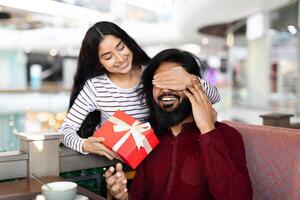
[136, 130]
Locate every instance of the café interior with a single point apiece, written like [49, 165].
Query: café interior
[252, 49]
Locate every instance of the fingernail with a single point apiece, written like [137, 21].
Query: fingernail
[124, 181]
[111, 169]
[118, 174]
[125, 190]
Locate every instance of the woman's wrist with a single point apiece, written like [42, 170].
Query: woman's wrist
[84, 146]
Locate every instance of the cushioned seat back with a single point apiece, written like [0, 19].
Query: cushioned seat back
[273, 160]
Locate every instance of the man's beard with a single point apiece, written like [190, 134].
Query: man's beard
[167, 119]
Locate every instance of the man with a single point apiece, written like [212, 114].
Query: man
[197, 158]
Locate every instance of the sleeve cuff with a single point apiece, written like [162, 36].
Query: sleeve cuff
[208, 137]
[201, 80]
[212, 140]
[81, 147]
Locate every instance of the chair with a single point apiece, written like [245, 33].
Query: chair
[273, 160]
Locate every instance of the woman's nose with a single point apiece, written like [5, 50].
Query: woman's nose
[119, 57]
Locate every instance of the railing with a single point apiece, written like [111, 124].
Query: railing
[41, 154]
[280, 120]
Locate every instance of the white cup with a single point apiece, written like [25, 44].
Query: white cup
[61, 190]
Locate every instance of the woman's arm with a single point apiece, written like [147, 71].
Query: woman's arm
[82, 106]
[179, 79]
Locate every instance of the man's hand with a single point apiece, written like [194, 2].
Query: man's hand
[175, 79]
[203, 113]
[116, 182]
[94, 145]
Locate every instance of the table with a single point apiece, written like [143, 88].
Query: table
[27, 189]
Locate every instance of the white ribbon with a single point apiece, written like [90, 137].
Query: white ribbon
[136, 130]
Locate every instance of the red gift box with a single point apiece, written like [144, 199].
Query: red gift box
[128, 137]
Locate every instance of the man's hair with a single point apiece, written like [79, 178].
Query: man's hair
[187, 60]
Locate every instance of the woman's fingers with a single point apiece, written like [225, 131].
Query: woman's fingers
[103, 150]
[94, 145]
[97, 139]
[170, 84]
[176, 78]
[164, 75]
[106, 155]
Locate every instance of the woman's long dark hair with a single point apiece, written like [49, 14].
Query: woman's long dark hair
[89, 66]
[187, 60]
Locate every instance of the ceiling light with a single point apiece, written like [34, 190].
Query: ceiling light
[292, 29]
[27, 50]
[255, 26]
[205, 41]
[53, 52]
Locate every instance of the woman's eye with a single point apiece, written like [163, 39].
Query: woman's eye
[121, 47]
[107, 58]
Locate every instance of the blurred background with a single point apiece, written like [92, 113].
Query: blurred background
[251, 48]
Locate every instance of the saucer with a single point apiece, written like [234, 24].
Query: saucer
[78, 197]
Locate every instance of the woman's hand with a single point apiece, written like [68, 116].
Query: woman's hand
[116, 182]
[203, 112]
[93, 145]
[176, 78]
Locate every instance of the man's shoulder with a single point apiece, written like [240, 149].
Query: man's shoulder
[226, 130]
[222, 125]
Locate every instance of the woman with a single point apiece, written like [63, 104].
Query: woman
[108, 79]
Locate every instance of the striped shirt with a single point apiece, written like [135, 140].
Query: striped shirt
[100, 93]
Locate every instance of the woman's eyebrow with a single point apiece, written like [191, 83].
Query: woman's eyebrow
[119, 43]
[103, 54]
[106, 53]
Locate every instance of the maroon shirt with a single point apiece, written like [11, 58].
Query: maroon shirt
[194, 166]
